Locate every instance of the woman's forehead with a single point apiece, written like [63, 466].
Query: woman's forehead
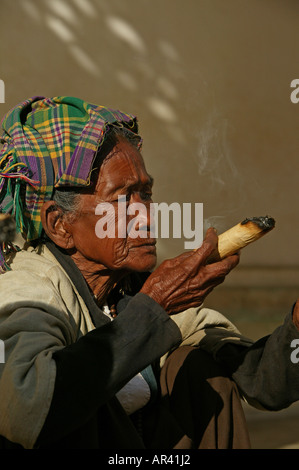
[123, 166]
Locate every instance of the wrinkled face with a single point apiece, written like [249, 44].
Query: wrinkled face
[122, 182]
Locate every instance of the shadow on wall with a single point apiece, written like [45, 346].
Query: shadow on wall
[151, 67]
[145, 63]
[64, 20]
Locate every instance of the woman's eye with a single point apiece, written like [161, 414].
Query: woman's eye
[146, 196]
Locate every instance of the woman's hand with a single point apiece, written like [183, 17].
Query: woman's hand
[184, 282]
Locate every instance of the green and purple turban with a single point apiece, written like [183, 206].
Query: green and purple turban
[49, 143]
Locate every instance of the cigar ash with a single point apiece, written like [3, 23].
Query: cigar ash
[264, 223]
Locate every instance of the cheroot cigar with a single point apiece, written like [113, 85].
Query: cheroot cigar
[240, 236]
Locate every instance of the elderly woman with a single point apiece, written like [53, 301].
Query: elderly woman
[100, 352]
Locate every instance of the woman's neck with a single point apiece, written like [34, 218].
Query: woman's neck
[99, 278]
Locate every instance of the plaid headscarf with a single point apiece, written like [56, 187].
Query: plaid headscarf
[49, 143]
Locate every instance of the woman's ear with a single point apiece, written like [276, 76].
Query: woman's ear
[55, 226]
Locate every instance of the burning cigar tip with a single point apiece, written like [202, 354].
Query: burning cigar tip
[241, 235]
[264, 223]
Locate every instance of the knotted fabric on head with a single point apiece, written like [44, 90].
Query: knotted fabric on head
[49, 143]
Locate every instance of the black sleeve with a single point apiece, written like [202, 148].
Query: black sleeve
[266, 372]
[90, 371]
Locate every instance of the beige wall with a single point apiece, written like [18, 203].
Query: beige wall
[210, 83]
